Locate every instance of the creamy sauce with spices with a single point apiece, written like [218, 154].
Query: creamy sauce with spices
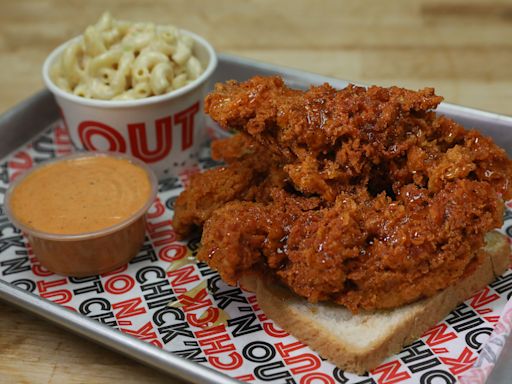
[80, 195]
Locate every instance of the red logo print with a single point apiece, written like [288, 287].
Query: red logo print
[138, 133]
[389, 373]
[438, 335]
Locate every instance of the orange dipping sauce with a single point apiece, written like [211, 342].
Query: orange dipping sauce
[80, 195]
[84, 214]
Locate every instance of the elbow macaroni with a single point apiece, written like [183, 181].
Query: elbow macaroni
[119, 60]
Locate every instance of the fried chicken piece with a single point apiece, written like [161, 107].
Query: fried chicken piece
[363, 197]
[330, 138]
[356, 253]
[421, 243]
[243, 235]
[235, 148]
[250, 176]
[207, 192]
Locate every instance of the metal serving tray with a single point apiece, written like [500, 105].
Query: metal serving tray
[30, 118]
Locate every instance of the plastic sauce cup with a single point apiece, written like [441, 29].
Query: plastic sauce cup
[87, 253]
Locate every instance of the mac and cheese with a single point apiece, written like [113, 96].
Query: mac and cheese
[120, 60]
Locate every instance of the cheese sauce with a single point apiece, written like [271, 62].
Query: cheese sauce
[80, 195]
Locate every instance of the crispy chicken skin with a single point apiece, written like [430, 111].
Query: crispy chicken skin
[330, 138]
[363, 197]
[249, 175]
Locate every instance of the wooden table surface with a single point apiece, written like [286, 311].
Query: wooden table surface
[462, 48]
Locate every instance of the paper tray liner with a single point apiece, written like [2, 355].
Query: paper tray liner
[165, 298]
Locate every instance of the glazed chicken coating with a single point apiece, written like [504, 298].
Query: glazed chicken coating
[362, 252]
[249, 175]
[366, 199]
[330, 138]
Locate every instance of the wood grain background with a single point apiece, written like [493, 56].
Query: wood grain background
[462, 48]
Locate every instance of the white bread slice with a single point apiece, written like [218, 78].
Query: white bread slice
[359, 342]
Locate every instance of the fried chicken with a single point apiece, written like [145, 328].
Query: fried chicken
[250, 175]
[330, 138]
[362, 197]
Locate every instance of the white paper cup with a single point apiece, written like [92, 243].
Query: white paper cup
[165, 131]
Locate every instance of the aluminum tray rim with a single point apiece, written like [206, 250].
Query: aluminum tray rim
[127, 344]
